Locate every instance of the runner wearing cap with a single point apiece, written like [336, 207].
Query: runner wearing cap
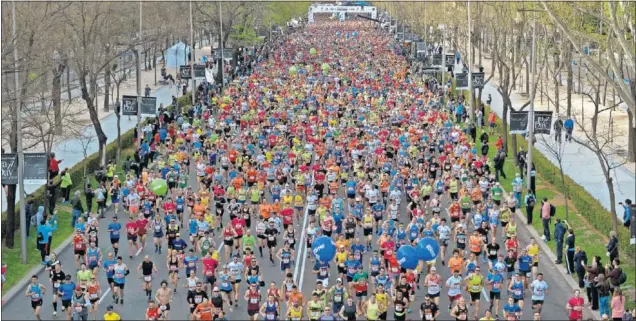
[79, 304]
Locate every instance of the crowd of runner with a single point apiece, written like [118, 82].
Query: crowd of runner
[371, 153]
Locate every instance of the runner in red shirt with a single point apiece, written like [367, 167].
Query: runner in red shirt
[132, 230]
[79, 245]
[287, 215]
[152, 312]
[239, 225]
[575, 306]
[209, 268]
[142, 228]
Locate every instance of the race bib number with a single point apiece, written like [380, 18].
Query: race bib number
[147, 278]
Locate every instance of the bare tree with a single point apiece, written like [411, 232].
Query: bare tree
[556, 150]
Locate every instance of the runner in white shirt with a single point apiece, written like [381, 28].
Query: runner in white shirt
[539, 289]
[454, 285]
[443, 233]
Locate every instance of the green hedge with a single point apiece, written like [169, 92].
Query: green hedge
[92, 164]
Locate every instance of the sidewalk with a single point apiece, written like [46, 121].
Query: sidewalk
[578, 162]
[71, 150]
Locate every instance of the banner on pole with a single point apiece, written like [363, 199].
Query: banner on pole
[437, 61]
[518, 122]
[148, 106]
[199, 71]
[9, 169]
[449, 60]
[35, 168]
[185, 72]
[478, 80]
[461, 81]
[542, 122]
[129, 105]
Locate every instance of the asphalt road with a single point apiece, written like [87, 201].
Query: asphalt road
[135, 304]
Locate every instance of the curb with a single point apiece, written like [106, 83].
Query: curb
[21, 285]
[548, 251]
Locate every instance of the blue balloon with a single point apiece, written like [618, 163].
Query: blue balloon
[427, 249]
[355, 33]
[324, 249]
[407, 257]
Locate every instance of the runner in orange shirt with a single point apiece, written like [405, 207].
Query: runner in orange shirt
[203, 311]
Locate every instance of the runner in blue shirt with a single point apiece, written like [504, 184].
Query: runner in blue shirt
[512, 311]
[114, 231]
[495, 281]
[109, 268]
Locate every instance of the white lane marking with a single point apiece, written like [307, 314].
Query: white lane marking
[103, 296]
[483, 291]
[302, 250]
[139, 251]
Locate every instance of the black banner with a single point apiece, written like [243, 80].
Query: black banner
[478, 80]
[184, 72]
[461, 81]
[9, 169]
[35, 168]
[149, 106]
[129, 105]
[518, 122]
[199, 71]
[437, 60]
[542, 122]
[450, 60]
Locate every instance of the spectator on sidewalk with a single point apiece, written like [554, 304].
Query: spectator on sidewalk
[54, 166]
[613, 273]
[546, 209]
[44, 233]
[593, 272]
[570, 247]
[28, 212]
[559, 234]
[492, 123]
[627, 215]
[568, 124]
[65, 185]
[618, 305]
[500, 143]
[530, 201]
[558, 126]
[499, 162]
[78, 208]
[88, 194]
[580, 257]
[533, 179]
[147, 91]
[51, 194]
[612, 246]
[521, 161]
[484, 147]
[603, 289]
[517, 187]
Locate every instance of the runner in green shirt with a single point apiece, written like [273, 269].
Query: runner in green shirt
[248, 240]
[496, 193]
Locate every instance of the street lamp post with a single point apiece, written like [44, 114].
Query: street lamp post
[530, 135]
[18, 100]
[221, 46]
[138, 61]
[192, 51]
[470, 68]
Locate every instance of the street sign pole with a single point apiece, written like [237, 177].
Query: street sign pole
[530, 136]
[444, 69]
[470, 68]
[192, 50]
[221, 46]
[23, 223]
[138, 58]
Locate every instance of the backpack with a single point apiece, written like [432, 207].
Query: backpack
[622, 278]
[552, 210]
[531, 201]
[40, 237]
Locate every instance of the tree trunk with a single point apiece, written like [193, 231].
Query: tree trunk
[631, 137]
[565, 191]
[569, 84]
[92, 111]
[528, 67]
[56, 96]
[9, 230]
[117, 113]
[154, 62]
[107, 79]
[556, 93]
[68, 85]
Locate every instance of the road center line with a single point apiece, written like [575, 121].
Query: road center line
[103, 296]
